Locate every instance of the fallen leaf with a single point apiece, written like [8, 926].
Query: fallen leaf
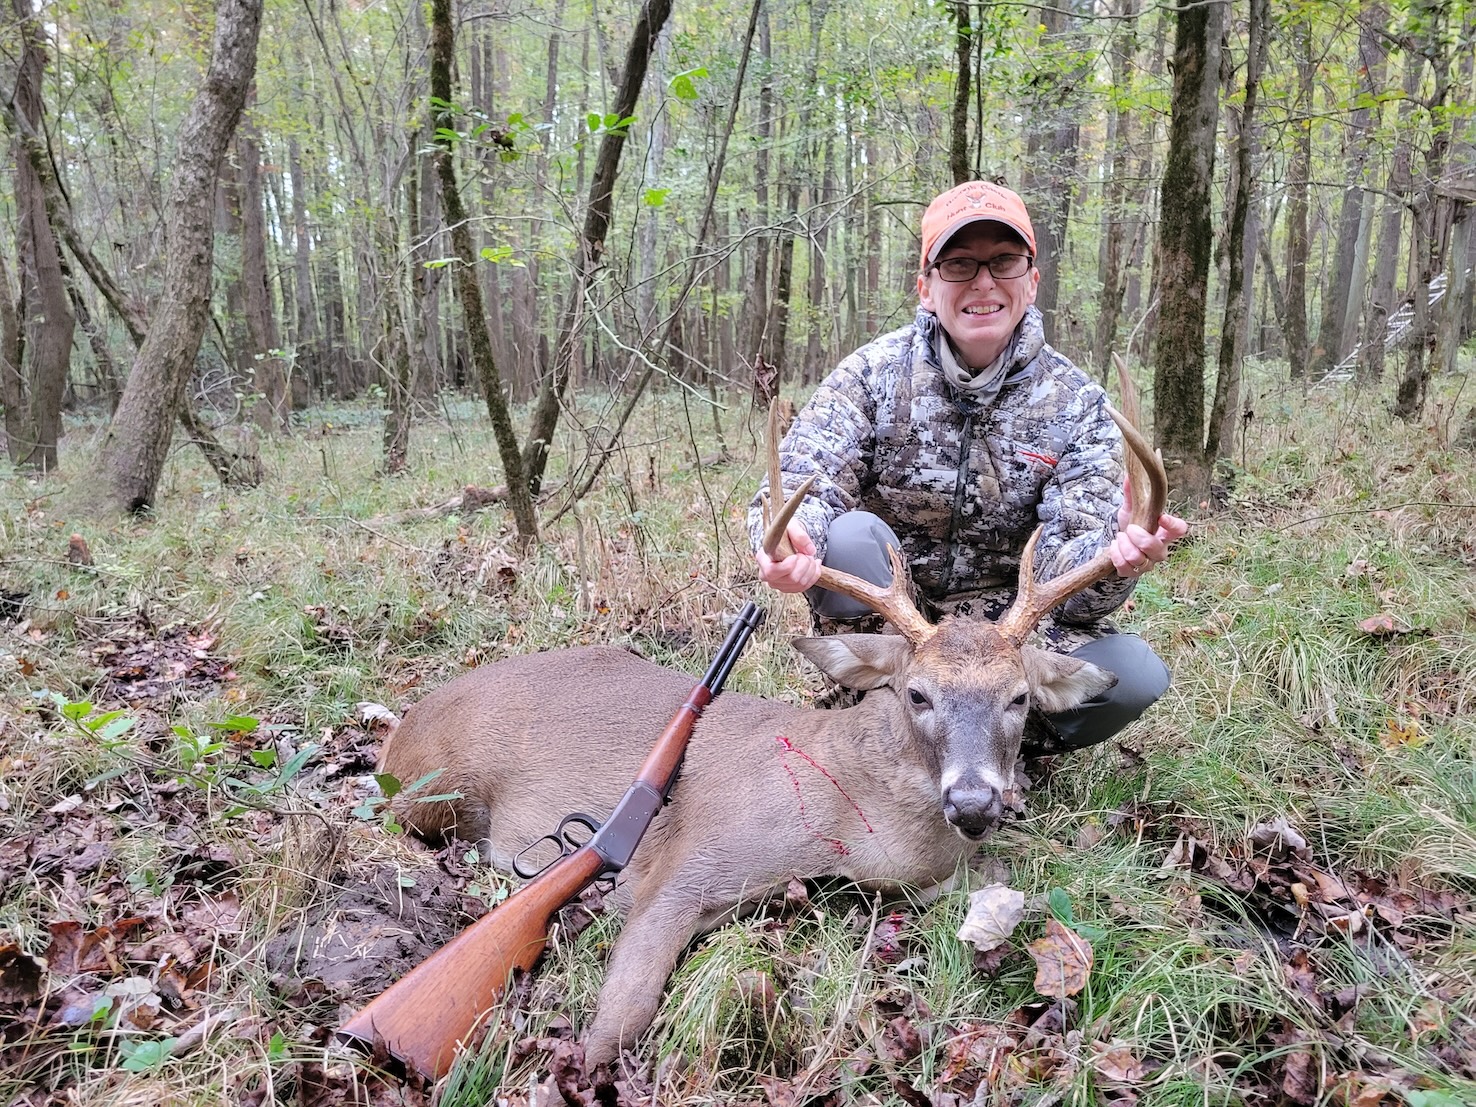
[1397, 735]
[74, 950]
[1379, 626]
[65, 806]
[20, 976]
[1300, 1080]
[901, 1040]
[1063, 961]
[1279, 838]
[1116, 1063]
[994, 912]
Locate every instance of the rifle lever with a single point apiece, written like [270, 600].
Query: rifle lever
[563, 839]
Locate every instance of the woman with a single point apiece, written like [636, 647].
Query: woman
[952, 439]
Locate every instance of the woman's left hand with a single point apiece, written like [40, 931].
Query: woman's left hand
[1135, 550]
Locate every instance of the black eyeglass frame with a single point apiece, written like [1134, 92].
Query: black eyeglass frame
[937, 267]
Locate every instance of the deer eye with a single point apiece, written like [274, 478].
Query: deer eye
[917, 698]
[1020, 700]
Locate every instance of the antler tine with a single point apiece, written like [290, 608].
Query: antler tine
[892, 603]
[774, 542]
[1149, 488]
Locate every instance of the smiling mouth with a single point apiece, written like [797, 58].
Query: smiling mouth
[982, 310]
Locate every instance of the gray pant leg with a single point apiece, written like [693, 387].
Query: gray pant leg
[1141, 679]
[856, 543]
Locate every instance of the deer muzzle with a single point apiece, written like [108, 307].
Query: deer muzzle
[973, 805]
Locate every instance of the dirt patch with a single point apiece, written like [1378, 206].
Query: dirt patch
[372, 933]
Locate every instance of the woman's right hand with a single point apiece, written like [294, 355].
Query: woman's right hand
[795, 573]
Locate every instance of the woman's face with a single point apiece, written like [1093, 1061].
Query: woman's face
[979, 315]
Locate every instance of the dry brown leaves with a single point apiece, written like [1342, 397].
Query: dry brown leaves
[1063, 961]
[142, 663]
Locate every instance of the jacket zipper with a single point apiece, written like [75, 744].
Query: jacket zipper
[960, 490]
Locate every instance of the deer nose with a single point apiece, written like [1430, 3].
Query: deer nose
[973, 809]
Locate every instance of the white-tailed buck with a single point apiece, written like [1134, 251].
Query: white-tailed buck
[895, 790]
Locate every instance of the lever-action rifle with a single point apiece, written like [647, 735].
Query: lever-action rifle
[425, 1015]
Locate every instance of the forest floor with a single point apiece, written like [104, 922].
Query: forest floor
[1268, 884]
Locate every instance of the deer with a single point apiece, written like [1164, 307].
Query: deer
[892, 792]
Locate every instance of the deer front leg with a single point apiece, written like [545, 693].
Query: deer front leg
[654, 935]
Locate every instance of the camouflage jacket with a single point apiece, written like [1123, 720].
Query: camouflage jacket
[964, 481]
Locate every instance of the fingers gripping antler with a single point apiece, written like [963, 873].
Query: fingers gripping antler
[1148, 486]
[892, 602]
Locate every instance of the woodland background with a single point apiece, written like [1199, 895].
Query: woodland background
[345, 347]
[677, 190]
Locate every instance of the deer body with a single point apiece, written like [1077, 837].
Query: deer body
[767, 791]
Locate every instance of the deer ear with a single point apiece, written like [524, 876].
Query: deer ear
[860, 661]
[1059, 683]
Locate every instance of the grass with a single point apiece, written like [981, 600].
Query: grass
[305, 598]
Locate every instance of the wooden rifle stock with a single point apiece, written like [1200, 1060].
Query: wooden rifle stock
[426, 1015]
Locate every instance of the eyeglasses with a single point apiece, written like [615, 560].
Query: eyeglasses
[1001, 267]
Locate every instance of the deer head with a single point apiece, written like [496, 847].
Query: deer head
[965, 685]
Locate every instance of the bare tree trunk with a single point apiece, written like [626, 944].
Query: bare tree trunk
[817, 338]
[1297, 185]
[468, 290]
[1433, 210]
[1185, 243]
[108, 378]
[784, 266]
[428, 368]
[756, 303]
[1051, 154]
[307, 363]
[1223, 412]
[1114, 237]
[12, 384]
[958, 147]
[592, 240]
[1142, 296]
[334, 361]
[874, 216]
[1347, 275]
[270, 375]
[1458, 316]
[48, 323]
[398, 363]
[1273, 282]
[137, 441]
[650, 234]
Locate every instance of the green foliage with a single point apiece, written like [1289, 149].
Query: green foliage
[145, 1056]
[684, 85]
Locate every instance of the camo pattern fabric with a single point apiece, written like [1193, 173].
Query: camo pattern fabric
[964, 481]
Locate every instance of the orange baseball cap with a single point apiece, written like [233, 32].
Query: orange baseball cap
[974, 202]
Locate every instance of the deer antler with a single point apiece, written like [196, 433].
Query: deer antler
[1148, 486]
[892, 602]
